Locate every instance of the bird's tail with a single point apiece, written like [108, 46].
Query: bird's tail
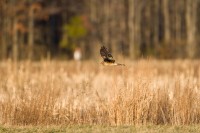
[120, 64]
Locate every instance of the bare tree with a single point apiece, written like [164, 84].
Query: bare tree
[3, 30]
[155, 20]
[93, 18]
[166, 20]
[191, 14]
[15, 40]
[131, 15]
[30, 32]
[105, 26]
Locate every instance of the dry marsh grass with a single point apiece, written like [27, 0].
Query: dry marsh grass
[66, 93]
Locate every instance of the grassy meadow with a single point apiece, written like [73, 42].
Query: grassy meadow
[62, 93]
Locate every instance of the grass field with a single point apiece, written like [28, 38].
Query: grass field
[104, 129]
[69, 93]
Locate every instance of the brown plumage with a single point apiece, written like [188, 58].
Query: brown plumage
[108, 59]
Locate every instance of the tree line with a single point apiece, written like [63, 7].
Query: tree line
[35, 29]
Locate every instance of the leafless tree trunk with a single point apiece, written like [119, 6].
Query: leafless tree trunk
[15, 40]
[113, 27]
[30, 33]
[191, 10]
[179, 5]
[156, 21]
[3, 40]
[93, 18]
[123, 38]
[3, 26]
[166, 20]
[132, 49]
[147, 29]
[105, 28]
[138, 22]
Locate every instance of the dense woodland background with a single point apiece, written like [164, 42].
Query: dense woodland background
[36, 29]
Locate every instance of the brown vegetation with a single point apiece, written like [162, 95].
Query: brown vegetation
[58, 93]
[34, 29]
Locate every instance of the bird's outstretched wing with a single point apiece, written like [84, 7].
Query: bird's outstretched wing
[106, 55]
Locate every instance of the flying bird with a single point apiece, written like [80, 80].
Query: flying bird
[108, 58]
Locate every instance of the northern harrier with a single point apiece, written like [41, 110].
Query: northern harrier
[108, 58]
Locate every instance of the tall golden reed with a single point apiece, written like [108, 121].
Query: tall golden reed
[62, 93]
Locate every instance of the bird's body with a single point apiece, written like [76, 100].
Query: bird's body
[108, 58]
